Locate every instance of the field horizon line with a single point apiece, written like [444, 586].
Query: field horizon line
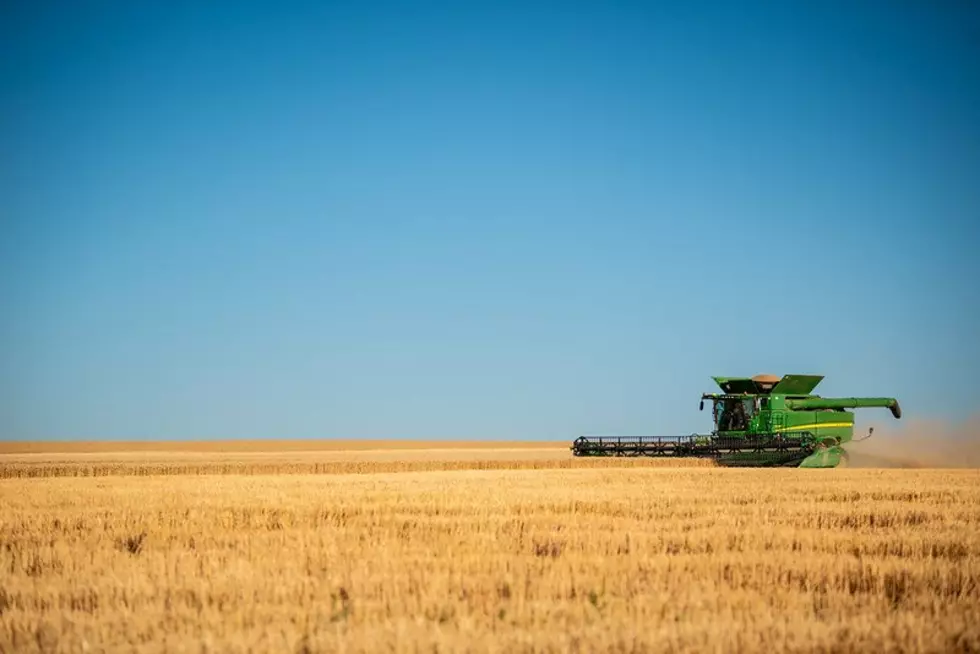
[73, 446]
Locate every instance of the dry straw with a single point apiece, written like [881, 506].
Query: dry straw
[573, 557]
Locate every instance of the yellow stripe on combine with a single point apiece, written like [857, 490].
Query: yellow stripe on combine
[814, 425]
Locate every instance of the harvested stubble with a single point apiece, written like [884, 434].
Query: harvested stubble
[285, 466]
[630, 559]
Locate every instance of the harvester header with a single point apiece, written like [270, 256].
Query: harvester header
[758, 421]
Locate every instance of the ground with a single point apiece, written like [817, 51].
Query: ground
[491, 549]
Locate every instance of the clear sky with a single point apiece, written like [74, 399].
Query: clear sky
[465, 220]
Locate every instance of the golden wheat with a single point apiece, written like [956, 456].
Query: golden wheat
[564, 559]
[315, 465]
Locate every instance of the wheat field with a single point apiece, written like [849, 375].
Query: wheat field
[533, 554]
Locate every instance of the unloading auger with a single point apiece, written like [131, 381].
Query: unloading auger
[760, 421]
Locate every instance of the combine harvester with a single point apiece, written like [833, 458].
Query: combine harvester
[760, 421]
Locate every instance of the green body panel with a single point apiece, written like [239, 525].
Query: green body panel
[826, 457]
[796, 385]
[744, 410]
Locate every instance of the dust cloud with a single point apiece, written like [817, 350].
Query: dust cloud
[917, 444]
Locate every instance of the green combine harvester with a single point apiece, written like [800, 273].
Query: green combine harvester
[760, 421]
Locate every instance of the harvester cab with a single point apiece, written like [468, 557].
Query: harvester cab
[758, 421]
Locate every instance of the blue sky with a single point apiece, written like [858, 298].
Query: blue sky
[466, 220]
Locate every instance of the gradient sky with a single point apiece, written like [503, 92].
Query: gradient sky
[465, 220]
